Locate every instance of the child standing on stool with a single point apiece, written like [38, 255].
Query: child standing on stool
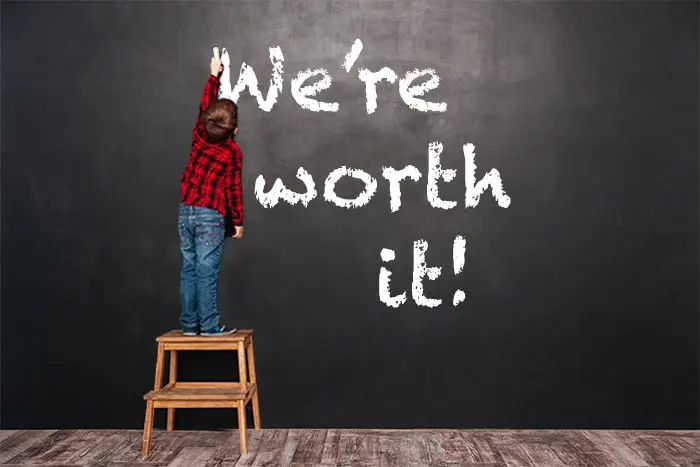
[211, 207]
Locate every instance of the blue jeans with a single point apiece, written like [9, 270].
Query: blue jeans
[201, 243]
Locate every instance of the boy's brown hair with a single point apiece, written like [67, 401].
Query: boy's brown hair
[220, 119]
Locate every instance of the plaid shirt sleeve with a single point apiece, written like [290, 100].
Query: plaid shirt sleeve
[211, 88]
[234, 190]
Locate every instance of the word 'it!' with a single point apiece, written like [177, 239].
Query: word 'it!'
[420, 271]
[310, 82]
[436, 174]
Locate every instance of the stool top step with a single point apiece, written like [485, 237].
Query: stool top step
[177, 336]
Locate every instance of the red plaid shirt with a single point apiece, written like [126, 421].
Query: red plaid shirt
[212, 178]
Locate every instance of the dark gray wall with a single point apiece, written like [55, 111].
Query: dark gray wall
[582, 296]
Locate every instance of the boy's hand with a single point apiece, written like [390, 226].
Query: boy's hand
[215, 66]
[238, 231]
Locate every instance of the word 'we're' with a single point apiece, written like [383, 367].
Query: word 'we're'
[304, 88]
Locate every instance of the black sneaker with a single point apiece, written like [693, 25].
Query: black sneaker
[219, 330]
[189, 332]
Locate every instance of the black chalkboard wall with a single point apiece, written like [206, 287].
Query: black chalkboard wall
[581, 305]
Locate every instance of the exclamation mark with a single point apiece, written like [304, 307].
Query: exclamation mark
[459, 249]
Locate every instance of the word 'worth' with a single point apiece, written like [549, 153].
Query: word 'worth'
[303, 89]
[420, 271]
[473, 189]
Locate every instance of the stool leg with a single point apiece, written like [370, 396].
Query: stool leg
[242, 427]
[147, 429]
[173, 379]
[171, 419]
[256, 411]
[159, 367]
[242, 370]
[253, 380]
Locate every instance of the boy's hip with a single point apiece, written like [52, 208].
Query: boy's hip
[201, 213]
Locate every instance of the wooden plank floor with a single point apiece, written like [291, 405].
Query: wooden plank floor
[361, 448]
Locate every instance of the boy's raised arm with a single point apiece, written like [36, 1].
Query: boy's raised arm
[211, 88]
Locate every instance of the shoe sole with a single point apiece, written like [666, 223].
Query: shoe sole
[189, 334]
[212, 334]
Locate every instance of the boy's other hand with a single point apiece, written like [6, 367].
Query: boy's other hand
[238, 231]
[215, 66]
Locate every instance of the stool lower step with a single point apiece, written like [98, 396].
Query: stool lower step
[176, 392]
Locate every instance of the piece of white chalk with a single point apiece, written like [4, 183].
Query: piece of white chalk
[216, 53]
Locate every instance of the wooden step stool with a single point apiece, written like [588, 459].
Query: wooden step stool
[189, 395]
